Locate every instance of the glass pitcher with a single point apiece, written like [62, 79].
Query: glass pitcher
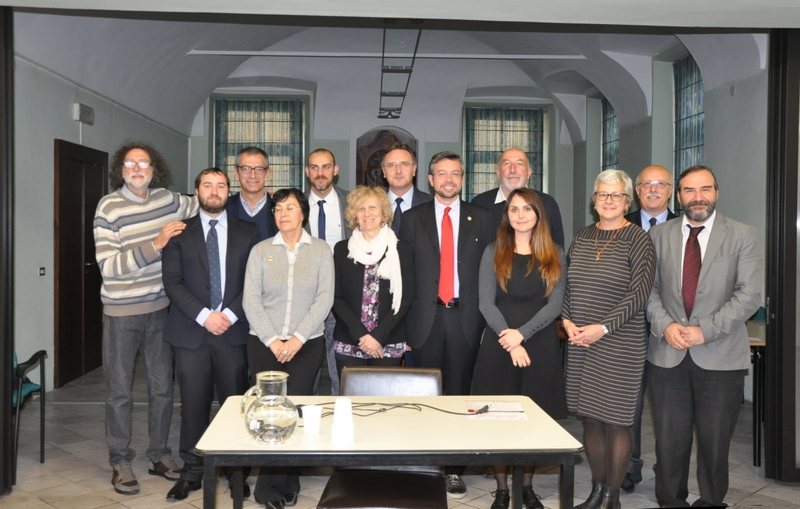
[268, 414]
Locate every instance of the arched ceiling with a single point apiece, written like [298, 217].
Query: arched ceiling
[165, 70]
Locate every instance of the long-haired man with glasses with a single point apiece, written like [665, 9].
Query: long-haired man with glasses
[131, 227]
[253, 203]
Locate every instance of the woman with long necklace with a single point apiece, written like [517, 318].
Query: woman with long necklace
[610, 275]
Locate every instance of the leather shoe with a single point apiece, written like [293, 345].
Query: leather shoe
[628, 486]
[245, 487]
[182, 489]
[270, 504]
[290, 499]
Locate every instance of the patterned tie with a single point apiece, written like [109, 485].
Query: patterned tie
[692, 263]
[212, 248]
[446, 278]
[321, 223]
[398, 217]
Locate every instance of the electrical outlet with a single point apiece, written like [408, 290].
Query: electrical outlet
[41, 271]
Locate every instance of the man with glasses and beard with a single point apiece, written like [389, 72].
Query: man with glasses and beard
[708, 282]
[204, 279]
[131, 227]
[253, 203]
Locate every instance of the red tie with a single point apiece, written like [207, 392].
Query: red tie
[692, 263]
[446, 280]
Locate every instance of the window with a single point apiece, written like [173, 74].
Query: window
[689, 137]
[610, 139]
[276, 126]
[488, 132]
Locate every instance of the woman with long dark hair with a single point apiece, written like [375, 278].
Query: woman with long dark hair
[522, 288]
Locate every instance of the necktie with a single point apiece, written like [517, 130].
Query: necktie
[446, 279]
[692, 263]
[212, 248]
[653, 222]
[398, 217]
[321, 223]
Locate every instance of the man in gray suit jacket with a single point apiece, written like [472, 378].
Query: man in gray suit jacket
[326, 221]
[399, 169]
[708, 282]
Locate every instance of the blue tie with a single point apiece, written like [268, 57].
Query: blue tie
[321, 224]
[398, 217]
[212, 248]
[653, 222]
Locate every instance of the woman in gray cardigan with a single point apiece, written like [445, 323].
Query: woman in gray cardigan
[288, 293]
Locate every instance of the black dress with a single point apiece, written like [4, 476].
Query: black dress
[543, 380]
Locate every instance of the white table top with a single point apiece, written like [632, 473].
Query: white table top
[403, 429]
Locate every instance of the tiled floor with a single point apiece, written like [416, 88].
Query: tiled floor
[76, 473]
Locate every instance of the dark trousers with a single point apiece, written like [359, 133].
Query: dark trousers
[447, 349]
[635, 466]
[346, 360]
[684, 397]
[214, 362]
[272, 484]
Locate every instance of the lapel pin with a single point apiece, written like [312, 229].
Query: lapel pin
[469, 218]
[270, 258]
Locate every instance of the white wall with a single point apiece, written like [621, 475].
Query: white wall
[43, 112]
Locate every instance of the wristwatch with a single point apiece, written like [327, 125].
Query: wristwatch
[605, 329]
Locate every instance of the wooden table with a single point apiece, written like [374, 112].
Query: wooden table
[401, 436]
[757, 330]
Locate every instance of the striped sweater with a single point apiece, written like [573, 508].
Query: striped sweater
[124, 232]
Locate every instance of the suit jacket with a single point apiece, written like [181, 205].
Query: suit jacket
[346, 232]
[728, 293]
[475, 233]
[635, 217]
[265, 220]
[349, 291]
[187, 281]
[420, 197]
[551, 210]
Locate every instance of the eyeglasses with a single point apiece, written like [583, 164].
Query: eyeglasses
[454, 175]
[603, 196]
[288, 208]
[658, 183]
[141, 164]
[246, 170]
[403, 164]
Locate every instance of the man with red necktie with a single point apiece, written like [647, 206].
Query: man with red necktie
[708, 282]
[444, 324]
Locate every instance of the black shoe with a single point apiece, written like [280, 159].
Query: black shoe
[455, 486]
[610, 499]
[593, 502]
[182, 489]
[245, 487]
[270, 504]
[628, 485]
[501, 499]
[531, 499]
[290, 499]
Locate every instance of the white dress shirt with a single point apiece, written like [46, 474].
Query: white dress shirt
[702, 237]
[333, 217]
[222, 241]
[455, 215]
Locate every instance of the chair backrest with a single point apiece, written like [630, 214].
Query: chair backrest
[391, 381]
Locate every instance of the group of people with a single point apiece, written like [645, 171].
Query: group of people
[263, 282]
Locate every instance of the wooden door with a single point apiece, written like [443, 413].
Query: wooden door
[81, 180]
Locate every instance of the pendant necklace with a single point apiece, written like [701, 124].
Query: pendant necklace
[597, 237]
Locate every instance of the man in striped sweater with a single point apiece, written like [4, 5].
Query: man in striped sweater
[131, 227]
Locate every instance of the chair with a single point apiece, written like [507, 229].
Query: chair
[420, 488]
[23, 391]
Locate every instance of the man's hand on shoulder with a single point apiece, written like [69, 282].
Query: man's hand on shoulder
[168, 231]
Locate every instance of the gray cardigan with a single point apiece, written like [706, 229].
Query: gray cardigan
[488, 293]
[282, 300]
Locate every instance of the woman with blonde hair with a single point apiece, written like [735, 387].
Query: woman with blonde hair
[610, 275]
[374, 284]
[522, 284]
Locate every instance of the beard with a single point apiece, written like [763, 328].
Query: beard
[133, 186]
[216, 208]
[699, 215]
